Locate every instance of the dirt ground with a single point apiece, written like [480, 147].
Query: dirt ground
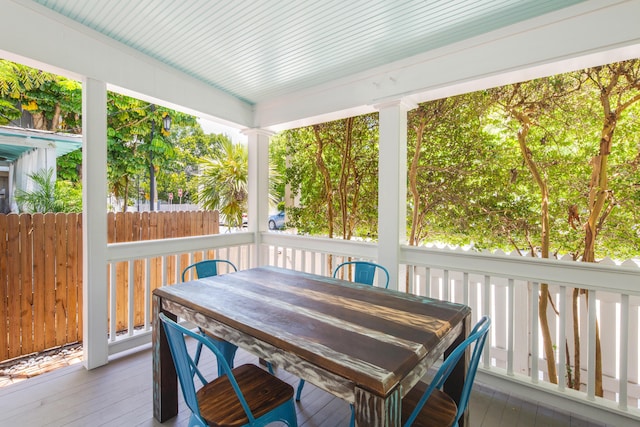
[26, 367]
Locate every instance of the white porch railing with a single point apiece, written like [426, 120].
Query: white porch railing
[504, 287]
[235, 247]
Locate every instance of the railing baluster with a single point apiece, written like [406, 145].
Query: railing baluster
[591, 371]
[163, 269]
[411, 279]
[147, 293]
[465, 288]
[624, 351]
[303, 260]
[486, 292]
[113, 304]
[445, 286]
[427, 282]
[510, 323]
[294, 258]
[535, 350]
[131, 300]
[323, 266]
[562, 324]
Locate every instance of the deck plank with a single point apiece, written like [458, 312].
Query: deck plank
[120, 394]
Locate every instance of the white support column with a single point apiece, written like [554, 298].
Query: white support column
[258, 188]
[94, 223]
[392, 186]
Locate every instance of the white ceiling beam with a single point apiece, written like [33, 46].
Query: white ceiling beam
[588, 34]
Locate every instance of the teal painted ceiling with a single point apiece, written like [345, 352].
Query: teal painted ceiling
[261, 49]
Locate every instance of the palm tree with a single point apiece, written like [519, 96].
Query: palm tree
[42, 198]
[222, 184]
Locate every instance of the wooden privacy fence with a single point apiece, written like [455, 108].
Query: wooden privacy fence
[40, 282]
[41, 272]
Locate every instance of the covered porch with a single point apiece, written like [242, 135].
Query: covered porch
[528, 43]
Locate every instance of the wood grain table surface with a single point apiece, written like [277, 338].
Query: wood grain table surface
[364, 344]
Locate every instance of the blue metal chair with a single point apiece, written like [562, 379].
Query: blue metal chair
[243, 396]
[428, 405]
[364, 271]
[210, 268]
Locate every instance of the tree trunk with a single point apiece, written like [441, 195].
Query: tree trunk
[125, 197]
[345, 168]
[55, 120]
[328, 188]
[544, 247]
[599, 195]
[39, 121]
[413, 186]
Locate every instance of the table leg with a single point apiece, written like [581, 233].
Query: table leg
[375, 411]
[455, 383]
[165, 381]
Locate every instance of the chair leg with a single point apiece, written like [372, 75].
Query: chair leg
[352, 419]
[299, 391]
[196, 358]
[285, 413]
[352, 422]
[227, 349]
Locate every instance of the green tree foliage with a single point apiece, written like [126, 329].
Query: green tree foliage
[470, 160]
[333, 168]
[16, 79]
[617, 88]
[55, 103]
[69, 166]
[191, 145]
[129, 144]
[447, 147]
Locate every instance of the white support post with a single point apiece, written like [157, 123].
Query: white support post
[392, 187]
[258, 189]
[94, 223]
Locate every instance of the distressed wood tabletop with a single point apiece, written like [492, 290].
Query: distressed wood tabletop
[355, 341]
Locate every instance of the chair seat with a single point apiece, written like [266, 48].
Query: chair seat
[219, 405]
[439, 410]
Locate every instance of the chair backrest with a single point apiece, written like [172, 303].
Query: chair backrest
[187, 368]
[478, 336]
[208, 268]
[364, 271]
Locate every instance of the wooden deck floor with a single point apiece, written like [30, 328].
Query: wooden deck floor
[120, 394]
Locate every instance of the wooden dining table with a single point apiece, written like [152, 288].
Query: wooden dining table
[364, 344]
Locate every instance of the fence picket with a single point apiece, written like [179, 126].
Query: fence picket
[61, 279]
[26, 290]
[4, 286]
[79, 271]
[13, 270]
[38, 281]
[121, 276]
[72, 277]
